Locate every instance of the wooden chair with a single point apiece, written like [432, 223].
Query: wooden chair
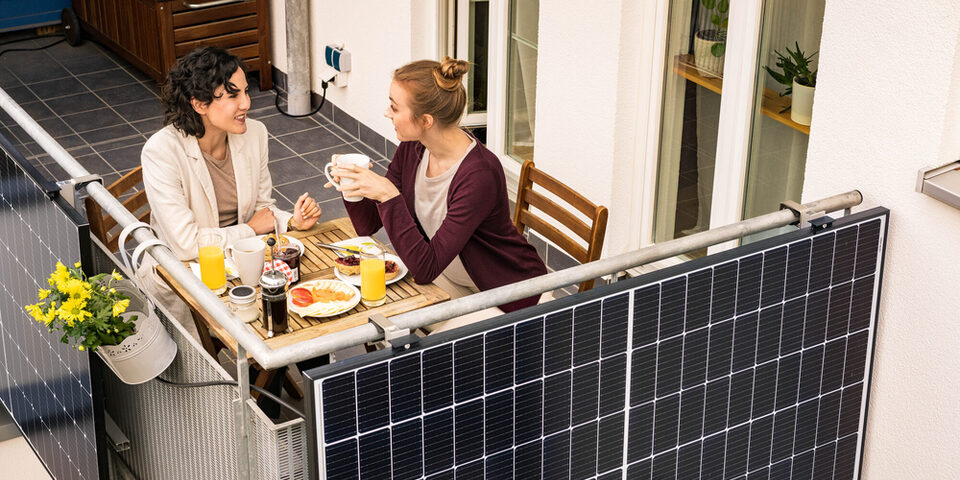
[102, 224]
[590, 233]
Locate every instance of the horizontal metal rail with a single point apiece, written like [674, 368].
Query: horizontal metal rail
[545, 283]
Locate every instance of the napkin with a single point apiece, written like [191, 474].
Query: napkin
[231, 268]
[282, 266]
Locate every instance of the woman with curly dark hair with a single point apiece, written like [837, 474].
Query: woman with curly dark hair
[206, 169]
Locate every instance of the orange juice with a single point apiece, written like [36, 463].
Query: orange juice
[212, 270]
[373, 286]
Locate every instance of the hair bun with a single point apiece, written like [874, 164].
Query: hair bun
[450, 72]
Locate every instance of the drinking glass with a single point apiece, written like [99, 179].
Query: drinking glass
[212, 271]
[373, 284]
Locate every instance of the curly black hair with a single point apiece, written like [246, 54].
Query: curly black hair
[197, 75]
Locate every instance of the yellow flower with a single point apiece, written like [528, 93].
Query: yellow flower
[120, 307]
[73, 311]
[77, 265]
[42, 293]
[116, 276]
[76, 288]
[35, 312]
[60, 277]
[50, 316]
[113, 290]
[80, 348]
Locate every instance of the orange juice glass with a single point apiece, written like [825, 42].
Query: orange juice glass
[212, 270]
[373, 285]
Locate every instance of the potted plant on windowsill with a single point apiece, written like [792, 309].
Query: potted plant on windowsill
[800, 81]
[709, 44]
[107, 314]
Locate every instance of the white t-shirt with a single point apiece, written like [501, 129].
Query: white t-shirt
[430, 204]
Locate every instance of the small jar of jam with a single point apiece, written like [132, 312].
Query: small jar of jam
[290, 254]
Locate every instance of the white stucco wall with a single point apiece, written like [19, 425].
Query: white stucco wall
[887, 99]
[380, 36]
[579, 117]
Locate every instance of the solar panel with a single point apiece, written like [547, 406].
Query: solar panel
[752, 363]
[45, 384]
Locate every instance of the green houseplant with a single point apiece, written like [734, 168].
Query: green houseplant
[795, 73]
[89, 311]
[107, 314]
[709, 44]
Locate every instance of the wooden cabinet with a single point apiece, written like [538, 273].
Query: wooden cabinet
[153, 34]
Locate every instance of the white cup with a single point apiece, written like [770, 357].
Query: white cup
[247, 254]
[358, 160]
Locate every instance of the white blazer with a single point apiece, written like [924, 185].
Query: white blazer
[182, 200]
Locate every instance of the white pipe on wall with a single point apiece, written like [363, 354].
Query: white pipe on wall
[298, 57]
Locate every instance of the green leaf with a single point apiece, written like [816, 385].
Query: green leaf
[709, 4]
[715, 19]
[717, 49]
[723, 6]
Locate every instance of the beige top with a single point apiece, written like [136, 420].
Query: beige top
[430, 203]
[224, 187]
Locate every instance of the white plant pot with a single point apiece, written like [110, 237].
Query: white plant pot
[145, 354]
[801, 103]
[709, 65]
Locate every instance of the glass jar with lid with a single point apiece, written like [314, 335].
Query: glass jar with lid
[243, 303]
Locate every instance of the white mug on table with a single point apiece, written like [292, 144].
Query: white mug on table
[358, 160]
[248, 254]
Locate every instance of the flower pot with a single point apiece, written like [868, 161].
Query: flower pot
[708, 64]
[801, 103]
[145, 354]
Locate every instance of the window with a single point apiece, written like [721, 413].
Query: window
[522, 78]
[729, 147]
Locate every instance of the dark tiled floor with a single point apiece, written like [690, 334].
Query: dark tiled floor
[101, 109]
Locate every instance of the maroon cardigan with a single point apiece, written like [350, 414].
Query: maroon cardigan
[477, 227]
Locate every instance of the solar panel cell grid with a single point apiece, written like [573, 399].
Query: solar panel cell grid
[750, 366]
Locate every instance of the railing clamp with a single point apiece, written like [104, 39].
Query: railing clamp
[69, 188]
[806, 216]
[393, 336]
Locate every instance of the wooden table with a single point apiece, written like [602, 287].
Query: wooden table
[315, 263]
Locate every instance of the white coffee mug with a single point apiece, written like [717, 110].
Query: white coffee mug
[247, 254]
[358, 160]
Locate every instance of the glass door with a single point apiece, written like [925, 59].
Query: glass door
[473, 39]
[696, 47]
[790, 37]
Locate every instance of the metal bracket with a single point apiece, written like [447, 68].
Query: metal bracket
[821, 223]
[118, 441]
[806, 215]
[390, 331]
[69, 188]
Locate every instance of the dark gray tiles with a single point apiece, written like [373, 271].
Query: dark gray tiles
[345, 121]
[125, 94]
[21, 94]
[58, 88]
[279, 124]
[291, 169]
[95, 164]
[278, 150]
[314, 186]
[320, 158]
[373, 139]
[149, 126]
[95, 137]
[94, 62]
[124, 158]
[70, 104]
[106, 79]
[141, 110]
[93, 120]
[311, 140]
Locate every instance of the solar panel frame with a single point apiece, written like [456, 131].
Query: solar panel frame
[563, 349]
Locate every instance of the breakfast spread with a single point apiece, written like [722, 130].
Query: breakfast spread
[351, 266]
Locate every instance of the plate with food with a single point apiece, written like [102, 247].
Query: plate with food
[322, 298]
[348, 269]
[284, 241]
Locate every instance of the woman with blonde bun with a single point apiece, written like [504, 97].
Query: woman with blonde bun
[443, 201]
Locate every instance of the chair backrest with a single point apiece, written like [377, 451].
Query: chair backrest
[592, 234]
[101, 224]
